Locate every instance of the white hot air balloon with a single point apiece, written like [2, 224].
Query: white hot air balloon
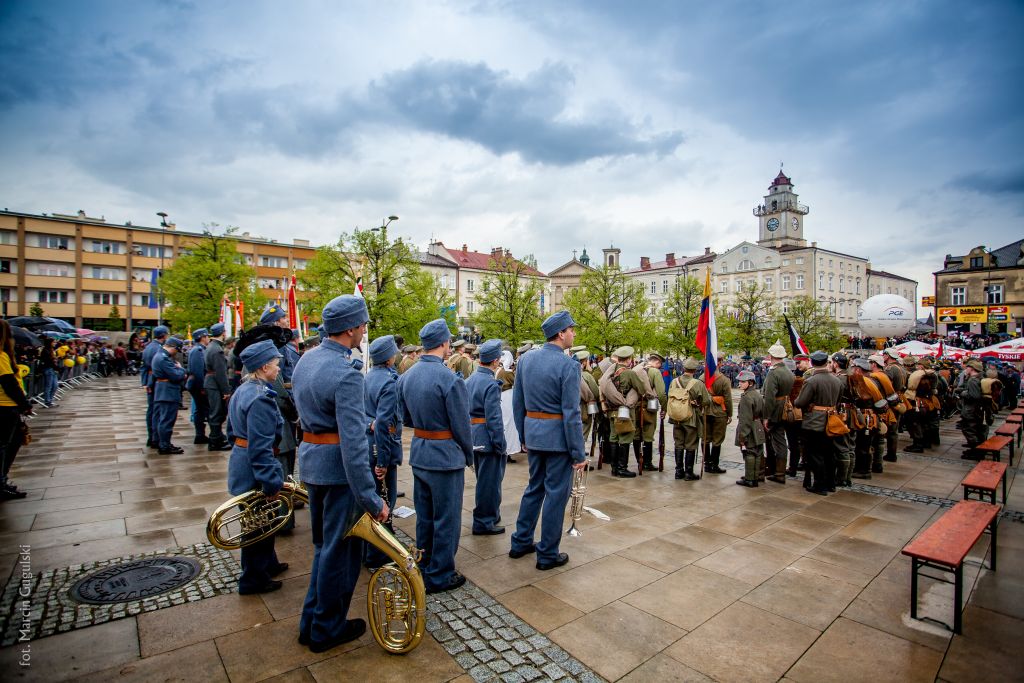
[886, 315]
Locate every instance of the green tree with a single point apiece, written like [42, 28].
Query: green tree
[509, 302]
[197, 281]
[114, 321]
[749, 323]
[812, 320]
[400, 296]
[36, 310]
[611, 309]
[679, 315]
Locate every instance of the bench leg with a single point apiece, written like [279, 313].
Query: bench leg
[994, 530]
[1004, 489]
[958, 595]
[913, 588]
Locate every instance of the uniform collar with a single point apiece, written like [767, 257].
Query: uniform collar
[551, 346]
[486, 371]
[336, 347]
[430, 359]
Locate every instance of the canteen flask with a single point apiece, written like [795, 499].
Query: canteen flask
[623, 413]
[652, 404]
[592, 408]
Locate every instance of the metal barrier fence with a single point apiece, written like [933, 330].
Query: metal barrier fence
[67, 379]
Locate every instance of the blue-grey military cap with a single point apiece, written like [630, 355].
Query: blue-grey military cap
[176, 342]
[255, 356]
[556, 323]
[819, 358]
[343, 313]
[216, 329]
[160, 331]
[272, 314]
[435, 333]
[199, 334]
[490, 350]
[862, 363]
[745, 376]
[383, 348]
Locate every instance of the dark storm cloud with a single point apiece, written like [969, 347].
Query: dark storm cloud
[505, 114]
[992, 182]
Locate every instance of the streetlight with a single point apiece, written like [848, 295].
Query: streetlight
[383, 230]
[160, 273]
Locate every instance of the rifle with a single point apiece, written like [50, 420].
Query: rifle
[641, 409]
[661, 443]
[598, 425]
[703, 444]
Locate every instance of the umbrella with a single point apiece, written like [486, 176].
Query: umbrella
[29, 322]
[63, 325]
[1012, 349]
[85, 332]
[23, 337]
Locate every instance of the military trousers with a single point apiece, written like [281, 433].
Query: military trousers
[973, 427]
[372, 557]
[490, 471]
[545, 498]
[335, 567]
[437, 495]
[844, 456]
[650, 426]
[687, 438]
[716, 430]
[218, 412]
[862, 451]
[820, 460]
[793, 431]
[614, 436]
[752, 462]
[150, 427]
[776, 464]
[165, 415]
[258, 561]
[202, 411]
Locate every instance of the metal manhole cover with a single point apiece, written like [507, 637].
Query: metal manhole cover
[135, 580]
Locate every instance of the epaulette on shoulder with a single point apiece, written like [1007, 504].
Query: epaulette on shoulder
[268, 392]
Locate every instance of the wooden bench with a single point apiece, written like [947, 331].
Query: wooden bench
[1014, 418]
[1012, 430]
[984, 480]
[944, 546]
[995, 445]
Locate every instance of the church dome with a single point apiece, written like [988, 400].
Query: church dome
[781, 179]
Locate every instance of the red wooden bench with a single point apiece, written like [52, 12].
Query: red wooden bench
[995, 445]
[944, 546]
[984, 479]
[1012, 430]
[1014, 418]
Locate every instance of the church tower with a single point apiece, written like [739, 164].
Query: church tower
[612, 256]
[781, 216]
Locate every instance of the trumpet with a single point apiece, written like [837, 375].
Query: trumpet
[396, 599]
[579, 490]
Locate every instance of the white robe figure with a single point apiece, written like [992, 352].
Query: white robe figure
[512, 445]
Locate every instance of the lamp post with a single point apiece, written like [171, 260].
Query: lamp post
[383, 230]
[160, 273]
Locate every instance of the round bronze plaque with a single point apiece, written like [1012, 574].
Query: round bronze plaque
[135, 580]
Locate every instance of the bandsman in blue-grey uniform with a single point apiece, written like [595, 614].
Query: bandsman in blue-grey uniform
[254, 427]
[194, 384]
[488, 440]
[546, 408]
[334, 465]
[217, 388]
[160, 333]
[276, 315]
[384, 434]
[167, 378]
[435, 404]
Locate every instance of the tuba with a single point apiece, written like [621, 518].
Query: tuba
[576, 495]
[396, 600]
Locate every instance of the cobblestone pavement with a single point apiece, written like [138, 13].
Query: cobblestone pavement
[669, 588]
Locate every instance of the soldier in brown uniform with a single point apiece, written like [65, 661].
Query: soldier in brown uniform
[590, 394]
[898, 377]
[410, 353]
[719, 414]
[818, 398]
[459, 362]
[750, 428]
[778, 384]
[843, 445]
[868, 402]
[688, 433]
[650, 372]
[621, 387]
[801, 364]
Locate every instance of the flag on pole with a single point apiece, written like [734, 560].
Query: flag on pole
[227, 316]
[293, 307]
[363, 344]
[707, 334]
[153, 275]
[795, 340]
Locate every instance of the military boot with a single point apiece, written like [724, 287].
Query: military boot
[712, 466]
[622, 462]
[680, 468]
[649, 465]
[689, 459]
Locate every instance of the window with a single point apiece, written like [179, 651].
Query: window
[977, 262]
[6, 266]
[785, 282]
[821, 280]
[444, 280]
[52, 296]
[8, 236]
[799, 280]
[842, 285]
[106, 298]
[785, 262]
[746, 249]
[767, 283]
[140, 300]
[50, 269]
[725, 267]
[654, 286]
[995, 294]
[107, 273]
[469, 307]
[841, 265]
[800, 260]
[270, 283]
[300, 263]
[104, 247]
[725, 287]
[469, 286]
[830, 263]
[842, 309]
[52, 242]
[5, 293]
[785, 306]
[273, 262]
[486, 285]
[821, 261]
[664, 286]
[858, 285]
[150, 250]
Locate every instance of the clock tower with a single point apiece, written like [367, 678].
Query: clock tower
[781, 216]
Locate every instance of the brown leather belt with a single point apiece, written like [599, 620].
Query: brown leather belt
[439, 435]
[244, 443]
[322, 438]
[161, 380]
[824, 409]
[537, 415]
[478, 420]
[210, 372]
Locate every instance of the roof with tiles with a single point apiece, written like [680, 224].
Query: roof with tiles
[476, 260]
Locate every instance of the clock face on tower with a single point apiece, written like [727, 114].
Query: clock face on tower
[773, 224]
[796, 223]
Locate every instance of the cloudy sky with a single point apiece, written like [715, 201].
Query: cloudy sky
[538, 126]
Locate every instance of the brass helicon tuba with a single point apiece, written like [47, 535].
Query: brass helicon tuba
[396, 600]
[576, 496]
